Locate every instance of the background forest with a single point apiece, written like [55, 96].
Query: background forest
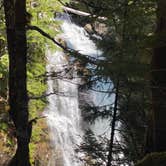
[130, 75]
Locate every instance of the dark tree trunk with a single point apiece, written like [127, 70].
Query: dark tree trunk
[113, 124]
[15, 15]
[158, 133]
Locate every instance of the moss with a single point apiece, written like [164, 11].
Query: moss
[153, 159]
[3, 75]
[36, 87]
[40, 150]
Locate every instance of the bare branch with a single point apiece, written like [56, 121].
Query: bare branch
[75, 53]
[64, 94]
[30, 27]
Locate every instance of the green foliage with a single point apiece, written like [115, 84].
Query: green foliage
[43, 13]
[129, 26]
[43, 16]
[94, 149]
[32, 148]
[4, 126]
[91, 113]
[153, 159]
[3, 57]
[4, 66]
[3, 75]
[35, 74]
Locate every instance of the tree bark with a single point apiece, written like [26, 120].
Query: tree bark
[15, 15]
[158, 82]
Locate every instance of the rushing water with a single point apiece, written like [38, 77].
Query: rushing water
[63, 113]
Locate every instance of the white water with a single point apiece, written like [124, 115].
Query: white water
[63, 113]
[78, 39]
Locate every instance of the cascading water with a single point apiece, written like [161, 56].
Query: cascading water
[63, 113]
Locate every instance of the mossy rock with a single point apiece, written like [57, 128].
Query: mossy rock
[153, 159]
[40, 148]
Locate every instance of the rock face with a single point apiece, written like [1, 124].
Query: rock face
[100, 28]
[88, 28]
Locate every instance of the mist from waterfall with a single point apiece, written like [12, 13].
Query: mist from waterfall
[63, 113]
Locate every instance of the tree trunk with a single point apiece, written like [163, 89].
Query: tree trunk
[113, 124]
[159, 82]
[15, 15]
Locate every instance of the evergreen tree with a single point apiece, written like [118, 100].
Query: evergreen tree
[123, 43]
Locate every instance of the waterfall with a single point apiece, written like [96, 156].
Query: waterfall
[63, 113]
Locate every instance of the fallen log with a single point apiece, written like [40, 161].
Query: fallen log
[81, 13]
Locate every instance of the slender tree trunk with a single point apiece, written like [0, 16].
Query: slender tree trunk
[113, 124]
[159, 83]
[15, 15]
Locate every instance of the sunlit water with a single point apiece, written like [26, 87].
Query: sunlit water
[63, 113]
